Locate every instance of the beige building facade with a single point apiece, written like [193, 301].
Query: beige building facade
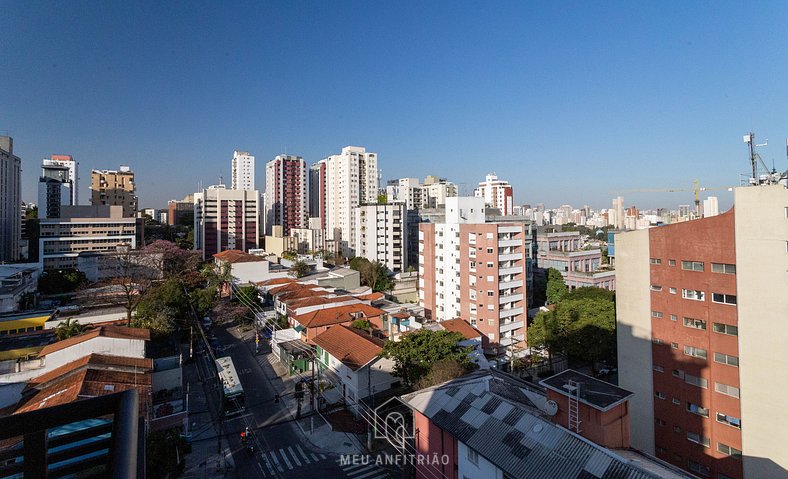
[114, 188]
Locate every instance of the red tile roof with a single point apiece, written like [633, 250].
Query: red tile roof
[337, 315]
[236, 256]
[98, 360]
[291, 287]
[461, 326]
[316, 301]
[107, 331]
[371, 296]
[275, 281]
[353, 347]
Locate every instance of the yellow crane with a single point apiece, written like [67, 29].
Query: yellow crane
[697, 189]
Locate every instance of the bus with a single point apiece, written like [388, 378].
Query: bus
[232, 391]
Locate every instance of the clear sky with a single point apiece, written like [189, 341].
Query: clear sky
[571, 102]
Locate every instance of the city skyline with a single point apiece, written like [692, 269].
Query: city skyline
[604, 93]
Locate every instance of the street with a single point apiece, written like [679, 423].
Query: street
[282, 449]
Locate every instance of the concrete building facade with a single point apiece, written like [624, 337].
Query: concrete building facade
[700, 327]
[226, 219]
[114, 188]
[242, 171]
[351, 179]
[69, 162]
[496, 193]
[381, 234]
[285, 193]
[477, 271]
[580, 267]
[10, 200]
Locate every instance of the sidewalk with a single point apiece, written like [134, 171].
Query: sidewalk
[316, 431]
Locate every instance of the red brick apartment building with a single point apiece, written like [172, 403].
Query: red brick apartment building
[702, 323]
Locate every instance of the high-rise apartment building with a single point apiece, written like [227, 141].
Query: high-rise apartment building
[180, 213]
[242, 171]
[711, 206]
[496, 193]
[480, 272]
[114, 188]
[381, 234]
[617, 215]
[73, 175]
[317, 192]
[351, 180]
[54, 190]
[226, 219]
[285, 194]
[701, 325]
[10, 200]
[415, 195]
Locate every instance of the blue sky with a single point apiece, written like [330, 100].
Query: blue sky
[571, 102]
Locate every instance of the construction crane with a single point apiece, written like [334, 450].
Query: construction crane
[697, 189]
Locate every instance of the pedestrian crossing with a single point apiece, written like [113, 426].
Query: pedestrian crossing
[275, 462]
[363, 471]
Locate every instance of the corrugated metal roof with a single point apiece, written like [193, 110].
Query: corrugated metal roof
[479, 410]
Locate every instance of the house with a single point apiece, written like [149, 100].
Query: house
[350, 359]
[316, 322]
[248, 268]
[492, 425]
[473, 338]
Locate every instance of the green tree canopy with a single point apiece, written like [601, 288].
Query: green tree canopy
[556, 288]
[299, 269]
[375, 275]
[68, 328]
[415, 354]
[61, 281]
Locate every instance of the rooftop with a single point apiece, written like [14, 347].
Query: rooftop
[491, 413]
[27, 315]
[338, 314]
[233, 256]
[353, 347]
[461, 326]
[593, 392]
[117, 332]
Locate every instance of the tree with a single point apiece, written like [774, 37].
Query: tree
[61, 281]
[363, 324]
[158, 309]
[556, 288]
[133, 273]
[299, 269]
[414, 354]
[382, 199]
[442, 371]
[165, 451]
[68, 328]
[171, 259]
[290, 255]
[375, 275]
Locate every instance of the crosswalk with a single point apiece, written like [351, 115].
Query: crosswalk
[363, 471]
[275, 462]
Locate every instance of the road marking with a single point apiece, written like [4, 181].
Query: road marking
[349, 468]
[261, 468]
[322, 456]
[368, 474]
[295, 456]
[284, 455]
[301, 451]
[276, 461]
[314, 457]
[271, 470]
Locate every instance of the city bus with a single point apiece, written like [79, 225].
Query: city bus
[232, 392]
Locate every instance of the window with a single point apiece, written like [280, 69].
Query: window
[727, 390]
[694, 323]
[676, 429]
[659, 368]
[489, 264]
[696, 381]
[729, 420]
[489, 250]
[671, 262]
[726, 359]
[692, 265]
[678, 373]
[726, 329]
[656, 261]
[695, 352]
[473, 321]
[674, 345]
[672, 290]
[698, 439]
[656, 341]
[723, 298]
[696, 409]
[490, 293]
[723, 268]
[673, 317]
[659, 422]
[659, 394]
[693, 294]
[729, 451]
[656, 287]
[473, 457]
[656, 314]
[676, 401]
[698, 468]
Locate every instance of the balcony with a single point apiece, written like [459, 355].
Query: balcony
[508, 313]
[510, 298]
[510, 284]
[509, 242]
[509, 229]
[511, 326]
[510, 257]
[510, 270]
[74, 439]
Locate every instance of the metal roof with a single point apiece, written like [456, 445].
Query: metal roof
[494, 416]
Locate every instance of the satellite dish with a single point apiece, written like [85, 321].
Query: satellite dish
[551, 407]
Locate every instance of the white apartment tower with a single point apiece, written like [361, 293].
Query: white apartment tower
[351, 179]
[73, 175]
[711, 206]
[496, 193]
[226, 219]
[381, 234]
[243, 171]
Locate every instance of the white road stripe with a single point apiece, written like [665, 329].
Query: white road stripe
[295, 456]
[287, 461]
[350, 467]
[367, 474]
[303, 454]
[322, 456]
[276, 461]
[271, 470]
[314, 457]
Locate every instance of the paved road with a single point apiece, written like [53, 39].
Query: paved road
[281, 451]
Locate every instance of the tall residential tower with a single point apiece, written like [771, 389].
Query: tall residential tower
[10, 200]
[242, 171]
[285, 194]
